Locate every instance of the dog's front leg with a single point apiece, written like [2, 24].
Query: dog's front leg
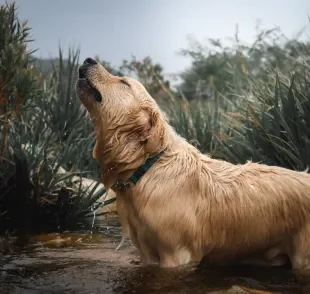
[167, 260]
[147, 254]
[181, 256]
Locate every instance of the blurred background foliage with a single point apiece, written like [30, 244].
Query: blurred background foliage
[236, 102]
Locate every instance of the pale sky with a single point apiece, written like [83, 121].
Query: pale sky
[115, 29]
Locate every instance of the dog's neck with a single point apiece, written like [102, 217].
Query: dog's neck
[121, 168]
[119, 172]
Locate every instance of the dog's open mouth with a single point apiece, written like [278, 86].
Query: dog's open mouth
[87, 83]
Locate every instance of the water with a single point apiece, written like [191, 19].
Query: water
[84, 262]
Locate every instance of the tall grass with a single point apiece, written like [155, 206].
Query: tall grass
[274, 126]
[44, 130]
[260, 113]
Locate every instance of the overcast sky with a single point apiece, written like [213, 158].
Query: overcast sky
[115, 29]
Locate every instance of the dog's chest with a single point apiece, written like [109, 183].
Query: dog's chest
[128, 214]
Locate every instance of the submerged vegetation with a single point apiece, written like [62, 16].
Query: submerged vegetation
[238, 102]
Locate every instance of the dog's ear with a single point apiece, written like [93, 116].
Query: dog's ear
[146, 125]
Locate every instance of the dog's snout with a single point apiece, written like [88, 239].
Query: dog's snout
[89, 61]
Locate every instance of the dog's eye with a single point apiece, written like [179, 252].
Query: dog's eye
[124, 82]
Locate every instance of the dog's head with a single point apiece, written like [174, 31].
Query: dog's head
[128, 123]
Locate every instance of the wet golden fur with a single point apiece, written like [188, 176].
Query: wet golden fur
[188, 206]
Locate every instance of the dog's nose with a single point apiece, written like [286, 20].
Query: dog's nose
[89, 61]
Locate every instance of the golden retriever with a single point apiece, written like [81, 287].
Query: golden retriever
[189, 207]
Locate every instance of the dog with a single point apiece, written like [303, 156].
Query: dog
[186, 207]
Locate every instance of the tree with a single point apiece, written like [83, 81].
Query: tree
[149, 74]
[18, 83]
[218, 67]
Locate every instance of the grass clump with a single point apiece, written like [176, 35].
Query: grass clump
[43, 131]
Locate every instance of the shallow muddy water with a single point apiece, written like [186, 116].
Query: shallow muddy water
[85, 262]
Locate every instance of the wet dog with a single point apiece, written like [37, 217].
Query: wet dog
[187, 206]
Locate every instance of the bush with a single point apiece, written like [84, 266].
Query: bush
[43, 129]
[262, 104]
[274, 127]
[221, 67]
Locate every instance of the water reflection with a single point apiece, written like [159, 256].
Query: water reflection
[84, 262]
[215, 280]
